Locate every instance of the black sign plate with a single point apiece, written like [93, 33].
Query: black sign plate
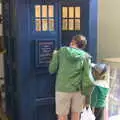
[44, 52]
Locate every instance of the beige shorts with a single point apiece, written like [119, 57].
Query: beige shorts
[69, 101]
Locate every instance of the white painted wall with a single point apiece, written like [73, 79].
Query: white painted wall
[108, 28]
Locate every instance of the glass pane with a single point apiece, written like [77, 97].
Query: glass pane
[64, 12]
[51, 24]
[64, 24]
[71, 12]
[44, 10]
[37, 25]
[37, 11]
[71, 24]
[77, 12]
[77, 24]
[44, 25]
[51, 10]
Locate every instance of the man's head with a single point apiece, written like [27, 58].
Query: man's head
[99, 71]
[79, 41]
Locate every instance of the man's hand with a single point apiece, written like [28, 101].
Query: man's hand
[87, 101]
[55, 51]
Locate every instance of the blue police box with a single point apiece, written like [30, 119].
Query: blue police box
[32, 30]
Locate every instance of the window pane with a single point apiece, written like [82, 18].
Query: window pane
[71, 24]
[77, 12]
[51, 11]
[37, 11]
[77, 24]
[64, 24]
[44, 25]
[37, 25]
[64, 12]
[71, 12]
[51, 24]
[44, 10]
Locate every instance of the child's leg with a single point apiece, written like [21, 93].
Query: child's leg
[78, 101]
[99, 113]
[63, 101]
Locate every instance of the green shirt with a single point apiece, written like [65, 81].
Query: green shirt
[73, 69]
[99, 94]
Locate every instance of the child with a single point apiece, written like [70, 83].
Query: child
[68, 63]
[100, 91]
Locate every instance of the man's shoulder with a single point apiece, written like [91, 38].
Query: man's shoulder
[86, 55]
[63, 48]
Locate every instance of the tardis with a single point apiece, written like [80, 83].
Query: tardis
[32, 30]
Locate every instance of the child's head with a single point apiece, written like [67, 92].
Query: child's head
[99, 71]
[79, 40]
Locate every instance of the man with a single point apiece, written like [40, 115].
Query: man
[73, 68]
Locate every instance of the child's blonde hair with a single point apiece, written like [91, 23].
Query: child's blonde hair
[100, 71]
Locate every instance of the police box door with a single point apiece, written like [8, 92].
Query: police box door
[53, 24]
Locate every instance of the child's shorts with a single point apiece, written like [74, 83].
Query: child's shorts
[69, 101]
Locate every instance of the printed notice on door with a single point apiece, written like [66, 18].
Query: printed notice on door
[45, 52]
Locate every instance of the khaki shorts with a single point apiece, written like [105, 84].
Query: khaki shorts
[69, 101]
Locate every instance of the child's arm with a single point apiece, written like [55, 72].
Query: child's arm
[54, 63]
[87, 77]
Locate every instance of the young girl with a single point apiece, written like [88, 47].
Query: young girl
[100, 91]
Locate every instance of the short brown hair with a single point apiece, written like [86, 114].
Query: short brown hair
[80, 41]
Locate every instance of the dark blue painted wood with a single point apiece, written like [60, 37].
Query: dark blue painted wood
[93, 28]
[34, 87]
[32, 84]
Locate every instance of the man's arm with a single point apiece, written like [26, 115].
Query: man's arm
[54, 63]
[88, 71]
[87, 79]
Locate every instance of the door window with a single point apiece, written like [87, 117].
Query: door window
[70, 18]
[44, 18]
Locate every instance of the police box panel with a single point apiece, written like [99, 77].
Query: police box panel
[43, 49]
